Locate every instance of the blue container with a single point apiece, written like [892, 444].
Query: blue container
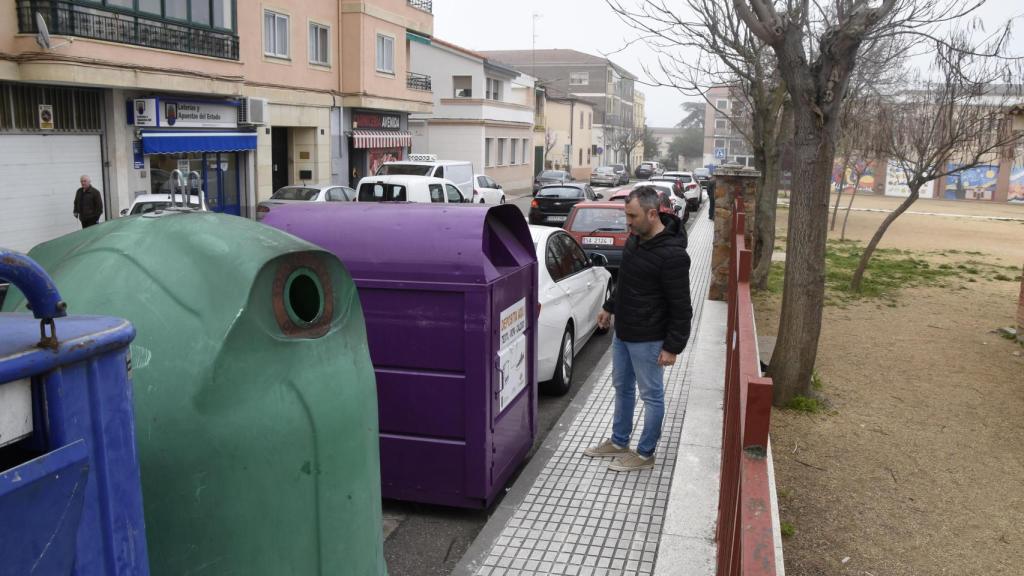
[70, 495]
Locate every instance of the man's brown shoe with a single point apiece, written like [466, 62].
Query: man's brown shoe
[605, 449]
[631, 461]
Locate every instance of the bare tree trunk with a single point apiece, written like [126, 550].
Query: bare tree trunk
[764, 222]
[858, 276]
[803, 293]
[846, 217]
[840, 185]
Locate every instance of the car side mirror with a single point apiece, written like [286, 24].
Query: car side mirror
[124, 212]
[599, 196]
[598, 259]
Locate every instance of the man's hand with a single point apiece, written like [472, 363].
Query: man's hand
[604, 319]
[666, 358]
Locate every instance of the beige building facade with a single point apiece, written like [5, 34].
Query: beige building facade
[569, 136]
[249, 99]
[639, 121]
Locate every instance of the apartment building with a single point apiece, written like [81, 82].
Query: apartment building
[130, 91]
[639, 121]
[722, 142]
[567, 139]
[483, 112]
[608, 88]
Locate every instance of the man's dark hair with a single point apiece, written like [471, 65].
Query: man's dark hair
[646, 196]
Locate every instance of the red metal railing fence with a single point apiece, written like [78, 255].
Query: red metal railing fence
[745, 543]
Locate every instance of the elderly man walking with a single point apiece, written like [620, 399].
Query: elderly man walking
[652, 311]
[88, 203]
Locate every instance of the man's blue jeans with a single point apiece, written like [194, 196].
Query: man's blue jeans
[636, 364]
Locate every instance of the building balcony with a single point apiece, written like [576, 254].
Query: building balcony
[484, 109]
[415, 81]
[425, 5]
[68, 18]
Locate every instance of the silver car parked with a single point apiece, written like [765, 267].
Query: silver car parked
[604, 176]
[298, 194]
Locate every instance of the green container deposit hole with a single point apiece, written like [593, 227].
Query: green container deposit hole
[304, 297]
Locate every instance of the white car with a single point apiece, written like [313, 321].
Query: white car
[691, 188]
[425, 189]
[486, 190]
[678, 204]
[298, 194]
[151, 202]
[572, 290]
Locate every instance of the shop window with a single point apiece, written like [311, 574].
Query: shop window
[319, 44]
[385, 54]
[275, 34]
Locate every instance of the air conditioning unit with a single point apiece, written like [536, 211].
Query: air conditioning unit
[253, 112]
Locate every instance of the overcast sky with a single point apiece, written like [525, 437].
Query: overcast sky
[591, 26]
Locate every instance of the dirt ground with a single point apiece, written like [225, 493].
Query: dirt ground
[917, 466]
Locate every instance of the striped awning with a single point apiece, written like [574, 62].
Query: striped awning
[381, 138]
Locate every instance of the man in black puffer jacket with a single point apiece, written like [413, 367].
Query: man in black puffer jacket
[652, 310]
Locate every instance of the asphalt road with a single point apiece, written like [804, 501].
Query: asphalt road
[423, 540]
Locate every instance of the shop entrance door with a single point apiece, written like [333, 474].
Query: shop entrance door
[220, 180]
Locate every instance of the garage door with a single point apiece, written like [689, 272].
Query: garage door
[38, 178]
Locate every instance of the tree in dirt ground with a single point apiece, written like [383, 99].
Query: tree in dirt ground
[949, 121]
[703, 44]
[816, 47]
[880, 72]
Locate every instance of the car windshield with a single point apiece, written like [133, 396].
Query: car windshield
[560, 192]
[599, 220]
[619, 166]
[605, 170]
[145, 207]
[551, 174]
[404, 170]
[295, 193]
[685, 178]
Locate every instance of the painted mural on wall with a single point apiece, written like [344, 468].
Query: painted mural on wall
[1016, 191]
[978, 183]
[896, 182]
[867, 179]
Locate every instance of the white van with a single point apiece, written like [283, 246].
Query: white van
[458, 171]
[425, 189]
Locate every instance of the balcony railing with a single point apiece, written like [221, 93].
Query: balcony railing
[416, 81]
[66, 18]
[425, 5]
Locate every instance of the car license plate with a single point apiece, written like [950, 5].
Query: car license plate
[557, 218]
[598, 240]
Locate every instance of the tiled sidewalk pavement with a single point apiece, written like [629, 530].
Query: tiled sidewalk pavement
[578, 517]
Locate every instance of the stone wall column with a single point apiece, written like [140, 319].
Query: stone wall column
[731, 182]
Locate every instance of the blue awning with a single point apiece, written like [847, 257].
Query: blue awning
[182, 142]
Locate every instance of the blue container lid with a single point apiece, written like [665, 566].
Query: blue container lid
[79, 337]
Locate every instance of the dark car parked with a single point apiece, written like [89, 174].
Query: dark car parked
[647, 169]
[551, 177]
[703, 176]
[552, 203]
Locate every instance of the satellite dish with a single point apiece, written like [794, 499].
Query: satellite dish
[43, 37]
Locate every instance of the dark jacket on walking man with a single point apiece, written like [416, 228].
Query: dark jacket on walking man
[88, 203]
[652, 311]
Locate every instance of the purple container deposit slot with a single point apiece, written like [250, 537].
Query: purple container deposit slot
[450, 299]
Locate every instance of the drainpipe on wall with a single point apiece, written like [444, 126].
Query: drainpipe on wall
[572, 122]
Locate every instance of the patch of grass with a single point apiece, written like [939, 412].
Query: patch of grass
[805, 404]
[784, 492]
[972, 279]
[788, 530]
[816, 381]
[776, 276]
[889, 270]
[945, 267]
[1002, 277]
